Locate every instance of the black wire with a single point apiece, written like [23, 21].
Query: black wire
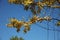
[38, 25]
[41, 26]
[55, 19]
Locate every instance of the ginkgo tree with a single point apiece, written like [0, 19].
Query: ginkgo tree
[32, 5]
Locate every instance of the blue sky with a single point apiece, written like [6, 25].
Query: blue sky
[36, 33]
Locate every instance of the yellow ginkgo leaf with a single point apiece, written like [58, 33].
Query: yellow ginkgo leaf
[13, 21]
[9, 25]
[58, 23]
[11, 1]
[18, 30]
[25, 31]
[27, 2]
[34, 19]
[18, 24]
[27, 26]
[40, 19]
[47, 18]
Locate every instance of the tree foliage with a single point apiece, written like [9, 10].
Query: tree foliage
[58, 23]
[16, 38]
[31, 5]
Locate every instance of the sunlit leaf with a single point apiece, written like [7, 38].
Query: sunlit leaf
[34, 19]
[16, 38]
[58, 23]
[27, 2]
[9, 25]
[47, 18]
[25, 31]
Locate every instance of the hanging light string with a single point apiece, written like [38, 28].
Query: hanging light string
[53, 27]
[58, 32]
[48, 24]
[51, 11]
[47, 30]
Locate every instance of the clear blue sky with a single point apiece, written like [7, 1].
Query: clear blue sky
[36, 33]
